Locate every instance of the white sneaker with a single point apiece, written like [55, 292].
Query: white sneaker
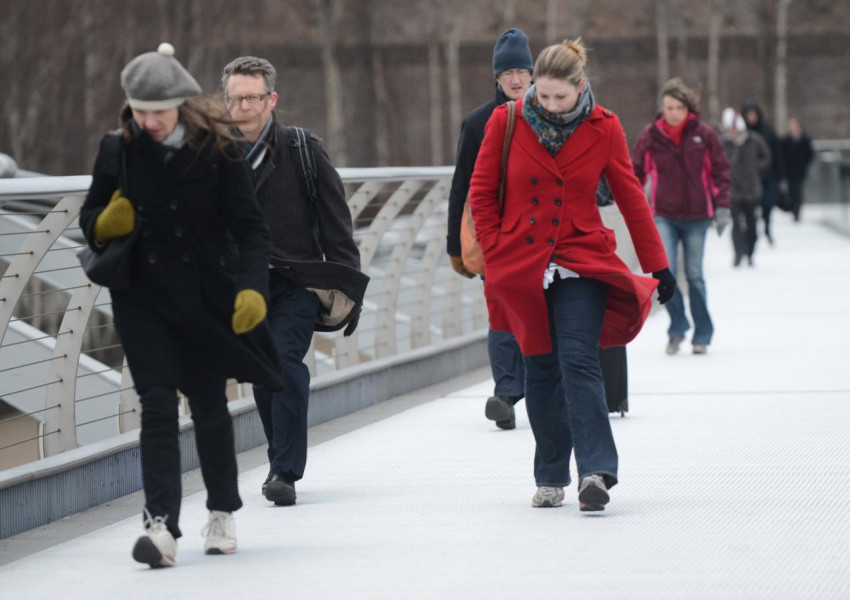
[592, 493]
[220, 532]
[548, 497]
[157, 547]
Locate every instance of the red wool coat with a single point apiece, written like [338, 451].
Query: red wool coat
[550, 214]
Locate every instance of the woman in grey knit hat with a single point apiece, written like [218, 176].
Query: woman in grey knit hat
[193, 313]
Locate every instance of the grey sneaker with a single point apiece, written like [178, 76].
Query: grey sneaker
[220, 532]
[157, 547]
[674, 343]
[592, 493]
[700, 349]
[501, 410]
[548, 497]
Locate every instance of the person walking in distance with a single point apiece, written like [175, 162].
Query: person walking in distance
[512, 68]
[193, 314]
[312, 240]
[796, 156]
[552, 274]
[684, 159]
[748, 156]
[754, 117]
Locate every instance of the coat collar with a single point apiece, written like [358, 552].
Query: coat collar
[583, 139]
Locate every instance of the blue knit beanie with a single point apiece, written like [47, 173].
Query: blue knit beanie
[512, 52]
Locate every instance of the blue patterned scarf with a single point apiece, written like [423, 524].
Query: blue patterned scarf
[553, 130]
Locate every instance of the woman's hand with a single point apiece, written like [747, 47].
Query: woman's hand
[666, 285]
[116, 220]
[249, 310]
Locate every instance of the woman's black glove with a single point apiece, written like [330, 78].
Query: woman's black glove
[666, 285]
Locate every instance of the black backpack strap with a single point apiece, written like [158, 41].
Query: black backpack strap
[304, 161]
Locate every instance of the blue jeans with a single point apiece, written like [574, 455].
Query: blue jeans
[564, 393]
[692, 235]
[292, 314]
[506, 364]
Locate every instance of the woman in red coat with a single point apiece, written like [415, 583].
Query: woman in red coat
[552, 276]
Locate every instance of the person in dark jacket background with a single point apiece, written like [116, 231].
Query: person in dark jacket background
[684, 159]
[754, 116]
[512, 68]
[748, 156]
[192, 316]
[307, 237]
[796, 156]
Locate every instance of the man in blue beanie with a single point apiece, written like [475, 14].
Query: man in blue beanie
[512, 67]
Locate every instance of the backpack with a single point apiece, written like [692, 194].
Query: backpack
[304, 162]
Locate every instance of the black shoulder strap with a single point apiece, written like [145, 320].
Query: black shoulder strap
[304, 161]
[114, 144]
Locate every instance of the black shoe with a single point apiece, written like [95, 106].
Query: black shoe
[266, 482]
[501, 410]
[279, 490]
[737, 262]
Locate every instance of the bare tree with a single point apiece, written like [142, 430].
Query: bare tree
[715, 25]
[329, 17]
[681, 37]
[380, 91]
[780, 99]
[452, 46]
[552, 21]
[436, 101]
[662, 37]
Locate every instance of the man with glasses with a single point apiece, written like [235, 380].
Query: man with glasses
[512, 67]
[312, 237]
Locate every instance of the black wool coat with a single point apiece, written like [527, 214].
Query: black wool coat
[203, 239]
[468, 145]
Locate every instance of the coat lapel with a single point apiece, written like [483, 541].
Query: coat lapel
[581, 141]
[525, 138]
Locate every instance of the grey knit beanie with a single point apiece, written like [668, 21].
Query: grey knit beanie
[156, 81]
[512, 52]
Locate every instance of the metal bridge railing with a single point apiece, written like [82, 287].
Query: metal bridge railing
[63, 378]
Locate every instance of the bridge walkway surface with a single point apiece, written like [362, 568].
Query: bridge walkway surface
[733, 466]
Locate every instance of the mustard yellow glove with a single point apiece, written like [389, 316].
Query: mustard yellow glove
[116, 220]
[249, 310]
[457, 265]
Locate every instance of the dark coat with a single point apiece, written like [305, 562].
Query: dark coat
[551, 214]
[203, 239]
[689, 180]
[748, 161]
[796, 157]
[293, 221]
[471, 135]
[767, 132]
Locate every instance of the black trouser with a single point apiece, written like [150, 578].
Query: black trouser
[744, 229]
[160, 450]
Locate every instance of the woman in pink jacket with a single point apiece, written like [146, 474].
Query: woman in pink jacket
[552, 275]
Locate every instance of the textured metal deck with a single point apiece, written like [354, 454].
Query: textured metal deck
[734, 479]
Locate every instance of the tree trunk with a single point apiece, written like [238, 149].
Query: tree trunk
[662, 36]
[681, 39]
[454, 83]
[328, 15]
[436, 102]
[780, 106]
[382, 112]
[715, 26]
[552, 21]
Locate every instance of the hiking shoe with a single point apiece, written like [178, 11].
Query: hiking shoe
[280, 491]
[220, 532]
[157, 547]
[674, 343]
[501, 410]
[592, 493]
[548, 497]
[700, 349]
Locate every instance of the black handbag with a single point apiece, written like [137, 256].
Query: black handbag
[110, 266]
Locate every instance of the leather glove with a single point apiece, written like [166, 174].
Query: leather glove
[722, 218]
[457, 265]
[352, 324]
[666, 285]
[249, 310]
[116, 220]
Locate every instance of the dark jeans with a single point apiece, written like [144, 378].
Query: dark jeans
[292, 314]
[506, 364]
[768, 199]
[744, 233]
[564, 393]
[160, 450]
[795, 190]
